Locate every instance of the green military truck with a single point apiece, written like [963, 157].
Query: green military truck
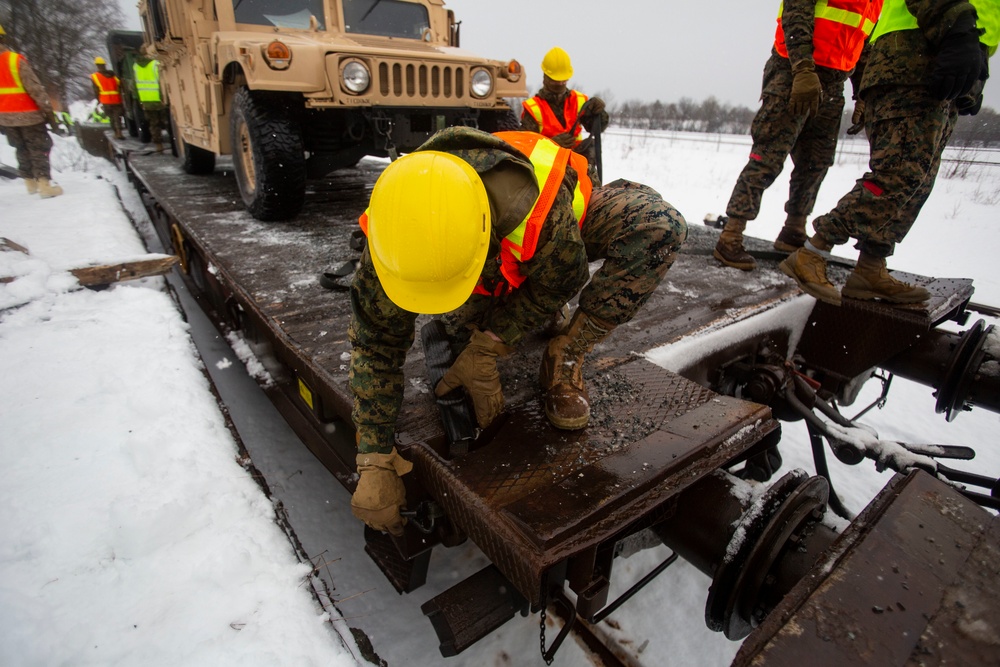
[124, 46]
[296, 89]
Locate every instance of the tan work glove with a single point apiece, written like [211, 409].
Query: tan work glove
[476, 370]
[566, 139]
[380, 492]
[857, 118]
[806, 89]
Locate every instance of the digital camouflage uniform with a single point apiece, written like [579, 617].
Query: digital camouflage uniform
[26, 131]
[627, 225]
[811, 140]
[907, 129]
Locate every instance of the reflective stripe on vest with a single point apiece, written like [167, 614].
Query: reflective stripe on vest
[897, 17]
[839, 32]
[13, 97]
[147, 81]
[107, 87]
[546, 119]
[549, 161]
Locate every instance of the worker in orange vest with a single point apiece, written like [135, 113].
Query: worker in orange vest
[107, 89]
[817, 46]
[24, 110]
[560, 113]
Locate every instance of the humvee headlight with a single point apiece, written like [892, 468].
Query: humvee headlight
[355, 77]
[278, 55]
[482, 83]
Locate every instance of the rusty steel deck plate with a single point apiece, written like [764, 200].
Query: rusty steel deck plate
[914, 581]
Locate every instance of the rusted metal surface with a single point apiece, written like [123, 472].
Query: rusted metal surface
[913, 581]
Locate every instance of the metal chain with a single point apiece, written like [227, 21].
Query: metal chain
[541, 633]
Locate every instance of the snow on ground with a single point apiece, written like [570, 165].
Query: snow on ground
[133, 535]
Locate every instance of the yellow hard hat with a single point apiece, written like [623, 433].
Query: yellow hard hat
[429, 231]
[556, 65]
[99, 61]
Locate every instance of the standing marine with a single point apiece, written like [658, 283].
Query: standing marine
[817, 45]
[928, 64]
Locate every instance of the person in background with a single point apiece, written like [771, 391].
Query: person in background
[496, 232]
[560, 113]
[24, 111]
[928, 64]
[107, 89]
[816, 46]
[147, 84]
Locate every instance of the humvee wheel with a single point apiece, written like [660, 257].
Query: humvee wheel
[268, 156]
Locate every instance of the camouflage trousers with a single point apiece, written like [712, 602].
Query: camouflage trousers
[157, 119]
[811, 142]
[908, 131]
[116, 114]
[31, 144]
[634, 231]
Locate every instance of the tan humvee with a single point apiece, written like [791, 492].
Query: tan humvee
[295, 89]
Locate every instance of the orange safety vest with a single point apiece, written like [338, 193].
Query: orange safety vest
[13, 97]
[839, 33]
[549, 125]
[550, 161]
[107, 87]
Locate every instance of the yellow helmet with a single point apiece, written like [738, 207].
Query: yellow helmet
[429, 231]
[99, 61]
[556, 65]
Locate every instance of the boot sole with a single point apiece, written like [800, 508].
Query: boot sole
[568, 425]
[742, 266]
[807, 287]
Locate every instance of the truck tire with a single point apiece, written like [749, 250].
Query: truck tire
[268, 155]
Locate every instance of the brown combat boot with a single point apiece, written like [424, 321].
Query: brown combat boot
[729, 250]
[32, 185]
[871, 280]
[47, 189]
[566, 401]
[793, 235]
[807, 266]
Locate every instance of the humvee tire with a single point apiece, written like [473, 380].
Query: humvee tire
[194, 160]
[268, 155]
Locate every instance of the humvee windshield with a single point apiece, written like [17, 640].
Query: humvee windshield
[388, 18]
[279, 13]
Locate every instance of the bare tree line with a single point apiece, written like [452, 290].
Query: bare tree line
[712, 116]
[60, 38]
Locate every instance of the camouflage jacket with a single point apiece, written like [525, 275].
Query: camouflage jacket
[798, 21]
[36, 90]
[905, 57]
[381, 332]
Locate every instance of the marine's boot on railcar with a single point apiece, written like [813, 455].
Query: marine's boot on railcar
[32, 185]
[793, 235]
[729, 250]
[566, 401]
[871, 280]
[807, 266]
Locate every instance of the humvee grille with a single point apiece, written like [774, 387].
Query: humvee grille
[421, 81]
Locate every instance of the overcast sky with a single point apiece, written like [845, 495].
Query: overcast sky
[632, 49]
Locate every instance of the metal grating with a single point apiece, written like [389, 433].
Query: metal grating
[421, 82]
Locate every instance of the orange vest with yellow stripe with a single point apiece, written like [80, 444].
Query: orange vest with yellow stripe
[549, 125]
[13, 97]
[107, 87]
[550, 161]
[839, 32]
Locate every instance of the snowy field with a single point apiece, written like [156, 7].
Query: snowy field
[132, 536]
